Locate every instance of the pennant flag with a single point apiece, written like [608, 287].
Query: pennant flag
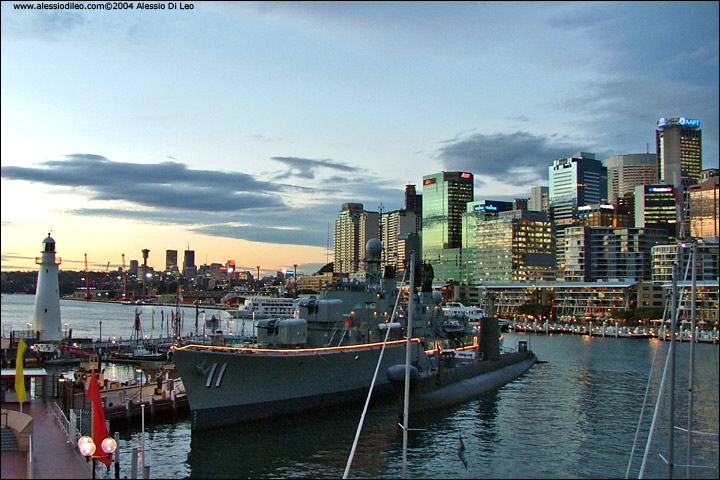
[461, 452]
[138, 327]
[99, 428]
[153, 320]
[19, 374]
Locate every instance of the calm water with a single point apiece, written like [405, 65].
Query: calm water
[573, 417]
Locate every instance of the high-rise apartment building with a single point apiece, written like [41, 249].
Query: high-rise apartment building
[353, 228]
[624, 172]
[707, 269]
[392, 226]
[656, 207]
[679, 150]
[444, 197]
[171, 260]
[575, 181]
[703, 210]
[610, 254]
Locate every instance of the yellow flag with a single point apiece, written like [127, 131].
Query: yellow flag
[19, 375]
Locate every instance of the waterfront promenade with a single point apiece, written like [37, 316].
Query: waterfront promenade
[54, 456]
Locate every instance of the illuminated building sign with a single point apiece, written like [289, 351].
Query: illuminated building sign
[466, 175]
[485, 207]
[690, 122]
[660, 189]
[428, 181]
[693, 122]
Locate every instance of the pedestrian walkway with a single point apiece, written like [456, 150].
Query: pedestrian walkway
[54, 456]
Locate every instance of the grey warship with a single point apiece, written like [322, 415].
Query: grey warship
[324, 357]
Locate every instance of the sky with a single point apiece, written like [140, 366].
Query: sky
[239, 129]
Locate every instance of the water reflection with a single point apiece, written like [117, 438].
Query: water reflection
[309, 445]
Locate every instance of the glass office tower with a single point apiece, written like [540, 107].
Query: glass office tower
[444, 198]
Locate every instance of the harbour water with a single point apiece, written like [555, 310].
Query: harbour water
[575, 416]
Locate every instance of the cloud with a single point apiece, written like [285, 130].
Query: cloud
[43, 25]
[161, 185]
[518, 159]
[225, 204]
[308, 168]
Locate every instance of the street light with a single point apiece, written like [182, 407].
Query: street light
[87, 448]
[61, 390]
[140, 371]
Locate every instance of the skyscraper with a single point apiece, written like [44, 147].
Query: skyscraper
[170, 259]
[575, 181]
[624, 172]
[393, 225]
[189, 267]
[679, 150]
[656, 207]
[444, 198]
[539, 201]
[353, 228]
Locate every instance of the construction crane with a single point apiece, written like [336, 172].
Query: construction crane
[87, 281]
[124, 279]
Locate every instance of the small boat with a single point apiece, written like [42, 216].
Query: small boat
[266, 307]
[473, 314]
[139, 353]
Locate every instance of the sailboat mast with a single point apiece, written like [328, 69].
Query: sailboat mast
[693, 319]
[406, 399]
[673, 323]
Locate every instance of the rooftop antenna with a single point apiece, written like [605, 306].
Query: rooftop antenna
[647, 148]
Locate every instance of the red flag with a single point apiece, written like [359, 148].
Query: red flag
[99, 428]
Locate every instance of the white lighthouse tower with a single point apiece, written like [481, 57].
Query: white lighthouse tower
[46, 321]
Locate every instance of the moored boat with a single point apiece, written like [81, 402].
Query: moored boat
[325, 356]
[266, 307]
[452, 376]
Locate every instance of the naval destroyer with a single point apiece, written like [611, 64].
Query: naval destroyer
[327, 355]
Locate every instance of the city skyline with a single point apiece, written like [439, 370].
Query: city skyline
[239, 130]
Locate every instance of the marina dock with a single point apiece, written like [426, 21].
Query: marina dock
[612, 330]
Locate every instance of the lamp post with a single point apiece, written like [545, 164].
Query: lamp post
[140, 371]
[87, 448]
[66, 330]
[61, 391]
